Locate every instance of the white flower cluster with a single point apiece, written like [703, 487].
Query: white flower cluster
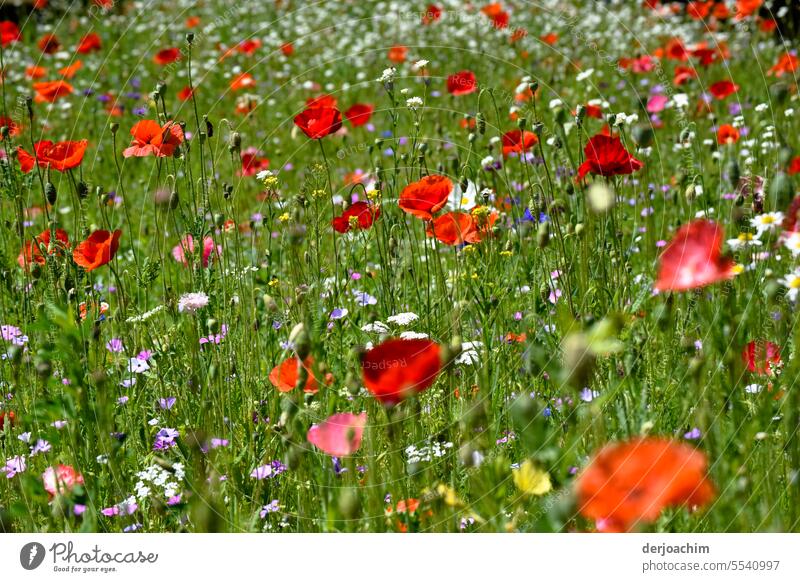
[428, 452]
[159, 477]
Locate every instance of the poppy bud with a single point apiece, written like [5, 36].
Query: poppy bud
[189, 38]
[543, 236]
[174, 200]
[83, 190]
[209, 126]
[113, 127]
[538, 128]
[481, 122]
[302, 343]
[781, 191]
[534, 86]
[733, 173]
[161, 89]
[29, 105]
[50, 193]
[349, 504]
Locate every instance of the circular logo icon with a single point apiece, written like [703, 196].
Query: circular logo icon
[31, 555]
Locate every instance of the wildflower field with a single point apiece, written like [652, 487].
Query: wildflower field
[366, 266]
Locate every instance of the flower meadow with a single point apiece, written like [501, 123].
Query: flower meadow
[383, 266]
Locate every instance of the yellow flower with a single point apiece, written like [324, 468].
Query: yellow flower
[373, 195]
[284, 217]
[736, 269]
[274, 283]
[449, 495]
[506, 253]
[531, 480]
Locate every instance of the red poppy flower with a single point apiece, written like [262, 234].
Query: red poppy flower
[462, 83]
[252, 162]
[606, 156]
[61, 156]
[359, 114]
[454, 228]
[762, 357]
[694, 258]
[9, 32]
[727, 134]
[167, 56]
[284, 375]
[32, 251]
[397, 54]
[249, 46]
[360, 215]
[676, 50]
[683, 74]
[49, 44]
[186, 93]
[432, 14]
[287, 49]
[34, 72]
[496, 14]
[318, 122]
[69, 71]
[51, 91]
[398, 368]
[550, 38]
[192, 22]
[787, 63]
[149, 138]
[722, 89]
[426, 196]
[243, 81]
[89, 43]
[794, 165]
[630, 483]
[517, 141]
[14, 128]
[97, 250]
[6, 417]
[322, 101]
[745, 8]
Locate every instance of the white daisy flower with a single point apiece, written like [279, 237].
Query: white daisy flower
[745, 239]
[767, 222]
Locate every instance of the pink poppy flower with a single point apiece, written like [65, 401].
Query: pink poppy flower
[339, 435]
[182, 251]
[60, 480]
[694, 258]
[657, 103]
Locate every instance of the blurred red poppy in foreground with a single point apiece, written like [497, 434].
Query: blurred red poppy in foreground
[61, 480]
[149, 138]
[517, 141]
[6, 417]
[606, 156]
[318, 122]
[630, 483]
[32, 252]
[359, 114]
[462, 83]
[61, 156]
[339, 435]
[398, 368]
[9, 32]
[694, 258]
[97, 250]
[51, 91]
[360, 215]
[426, 196]
[762, 357]
[284, 375]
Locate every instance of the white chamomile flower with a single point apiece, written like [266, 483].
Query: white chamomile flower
[420, 64]
[767, 222]
[792, 242]
[414, 102]
[745, 239]
[792, 282]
